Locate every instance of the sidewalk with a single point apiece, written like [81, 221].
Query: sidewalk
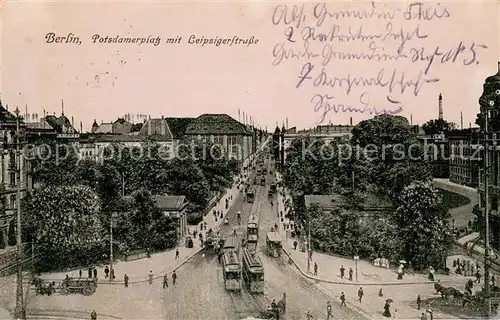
[372, 279]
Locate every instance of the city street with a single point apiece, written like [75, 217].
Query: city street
[201, 295]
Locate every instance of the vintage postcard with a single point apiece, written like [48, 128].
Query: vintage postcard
[227, 160]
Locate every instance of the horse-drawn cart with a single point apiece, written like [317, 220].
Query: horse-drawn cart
[85, 286]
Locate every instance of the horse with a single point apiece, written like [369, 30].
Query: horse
[450, 291]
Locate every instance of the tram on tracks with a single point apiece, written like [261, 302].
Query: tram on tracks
[231, 268]
[230, 244]
[250, 194]
[252, 233]
[252, 272]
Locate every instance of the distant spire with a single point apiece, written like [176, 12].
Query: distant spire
[287, 122]
[411, 119]
[81, 127]
[440, 107]
[461, 120]
[26, 114]
[62, 107]
[350, 121]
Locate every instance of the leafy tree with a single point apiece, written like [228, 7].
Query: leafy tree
[144, 226]
[55, 165]
[109, 186]
[438, 126]
[187, 179]
[391, 154]
[65, 222]
[336, 232]
[425, 234]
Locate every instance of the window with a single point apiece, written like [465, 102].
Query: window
[12, 202]
[12, 179]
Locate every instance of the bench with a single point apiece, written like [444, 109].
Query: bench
[135, 255]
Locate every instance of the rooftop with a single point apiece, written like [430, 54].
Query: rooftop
[178, 126]
[169, 203]
[216, 124]
[156, 127]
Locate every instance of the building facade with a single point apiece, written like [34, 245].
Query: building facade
[463, 158]
[93, 146]
[10, 177]
[232, 137]
[174, 207]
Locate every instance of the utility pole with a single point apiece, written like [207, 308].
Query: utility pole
[308, 240]
[20, 312]
[112, 272]
[486, 215]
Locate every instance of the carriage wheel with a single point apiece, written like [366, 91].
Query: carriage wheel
[87, 291]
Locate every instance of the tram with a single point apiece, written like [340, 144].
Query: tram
[231, 271]
[252, 272]
[230, 244]
[273, 242]
[251, 194]
[252, 233]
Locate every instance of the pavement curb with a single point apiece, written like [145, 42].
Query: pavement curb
[318, 279]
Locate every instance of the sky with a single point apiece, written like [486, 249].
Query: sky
[315, 83]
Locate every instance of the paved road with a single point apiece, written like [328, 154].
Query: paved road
[201, 295]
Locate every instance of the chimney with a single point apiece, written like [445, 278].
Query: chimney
[411, 119]
[62, 107]
[461, 120]
[350, 121]
[81, 127]
[72, 121]
[440, 103]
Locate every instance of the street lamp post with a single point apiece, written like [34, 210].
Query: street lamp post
[20, 312]
[112, 273]
[486, 211]
[308, 241]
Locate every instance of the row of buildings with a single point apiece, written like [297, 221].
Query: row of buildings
[234, 139]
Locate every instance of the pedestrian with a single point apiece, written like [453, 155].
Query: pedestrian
[95, 273]
[80, 273]
[93, 315]
[387, 311]
[276, 226]
[423, 316]
[165, 281]
[295, 243]
[201, 226]
[478, 277]
[342, 272]
[350, 274]
[329, 314]
[90, 272]
[112, 274]
[177, 254]
[125, 280]
[150, 276]
[493, 280]
[106, 272]
[219, 257]
[360, 294]
[315, 269]
[380, 293]
[419, 302]
[174, 277]
[342, 300]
